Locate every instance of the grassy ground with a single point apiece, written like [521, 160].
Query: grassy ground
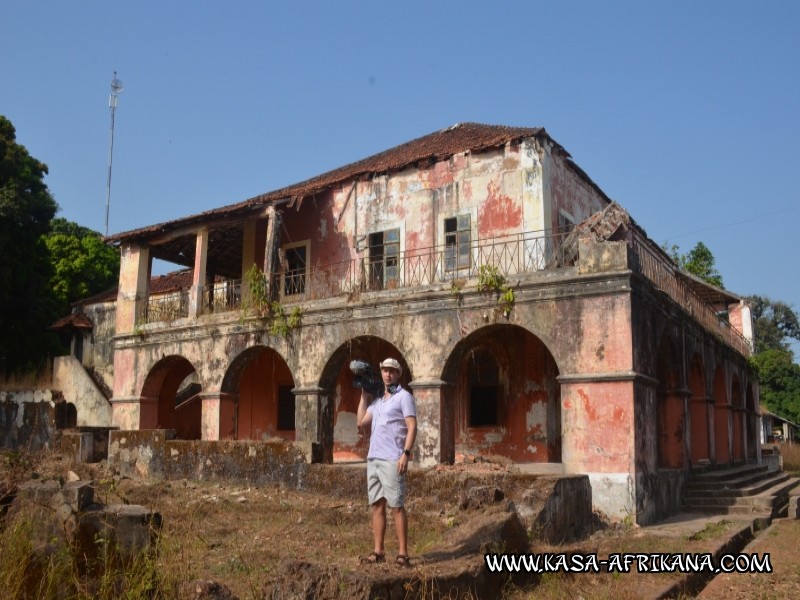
[242, 536]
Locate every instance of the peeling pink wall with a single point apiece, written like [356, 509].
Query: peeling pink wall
[487, 185]
[598, 419]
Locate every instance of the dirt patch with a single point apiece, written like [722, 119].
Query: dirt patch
[782, 542]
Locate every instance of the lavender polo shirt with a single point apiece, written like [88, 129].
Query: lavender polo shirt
[389, 424]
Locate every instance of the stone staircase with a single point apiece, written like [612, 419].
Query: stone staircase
[741, 490]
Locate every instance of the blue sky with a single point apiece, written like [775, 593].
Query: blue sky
[686, 113]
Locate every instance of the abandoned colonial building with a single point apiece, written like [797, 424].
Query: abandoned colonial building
[534, 319]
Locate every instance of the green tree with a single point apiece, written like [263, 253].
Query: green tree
[779, 382]
[699, 261]
[82, 265]
[26, 304]
[775, 323]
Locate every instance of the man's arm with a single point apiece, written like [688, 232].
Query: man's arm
[364, 417]
[411, 436]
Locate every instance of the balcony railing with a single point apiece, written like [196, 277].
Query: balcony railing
[509, 255]
[662, 274]
[163, 307]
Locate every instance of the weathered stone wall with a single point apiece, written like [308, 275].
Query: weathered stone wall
[98, 350]
[72, 380]
[154, 454]
[32, 419]
[555, 508]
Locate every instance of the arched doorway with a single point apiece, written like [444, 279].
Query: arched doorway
[699, 408]
[505, 395]
[738, 415]
[171, 398]
[671, 408]
[261, 383]
[722, 434]
[350, 443]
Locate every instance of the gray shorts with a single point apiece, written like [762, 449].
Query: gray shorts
[384, 482]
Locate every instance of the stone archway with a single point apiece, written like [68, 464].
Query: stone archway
[505, 396]
[171, 398]
[260, 383]
[349, 443]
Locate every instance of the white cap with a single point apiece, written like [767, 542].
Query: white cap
[391, 363]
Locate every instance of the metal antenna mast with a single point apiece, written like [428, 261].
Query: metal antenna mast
[116, 88]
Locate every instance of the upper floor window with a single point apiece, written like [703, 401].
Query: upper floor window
[566, 222]
[295, 268]
[456, 242]
[384, 258]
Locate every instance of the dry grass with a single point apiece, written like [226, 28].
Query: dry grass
[617, 586]
[790, 451]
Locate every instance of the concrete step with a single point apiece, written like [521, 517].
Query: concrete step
[729, 473]
[767, 500]
[743, 486]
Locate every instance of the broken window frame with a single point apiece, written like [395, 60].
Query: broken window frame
[384, 259]
[294, 280]
[566, 222]
[457, 240]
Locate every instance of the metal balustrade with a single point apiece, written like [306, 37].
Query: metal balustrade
[163, 307]
[661, 273]
[507, 256]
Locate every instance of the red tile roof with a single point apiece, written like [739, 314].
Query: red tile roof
[76, 320]
[440, 145]
[160, 284]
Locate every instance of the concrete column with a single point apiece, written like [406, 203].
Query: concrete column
[739, 433]
[313, 423]
[218, 419]
[274, 226]
[125, 413]
[134, 275]
[597, 418]
[196, 293]
[248, 246]
[435, 423]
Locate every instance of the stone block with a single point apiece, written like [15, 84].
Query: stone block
[134, 527]
[480, 496]
[78, 494]
[38, 491]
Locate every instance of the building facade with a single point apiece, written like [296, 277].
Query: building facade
[534, 319]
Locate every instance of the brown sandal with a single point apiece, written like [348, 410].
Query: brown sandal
[402, 561]
[373, 559]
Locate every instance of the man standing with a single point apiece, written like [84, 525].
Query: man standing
[394, 428]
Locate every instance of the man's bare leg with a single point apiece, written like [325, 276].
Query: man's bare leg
[401, 527]
[379, 524]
